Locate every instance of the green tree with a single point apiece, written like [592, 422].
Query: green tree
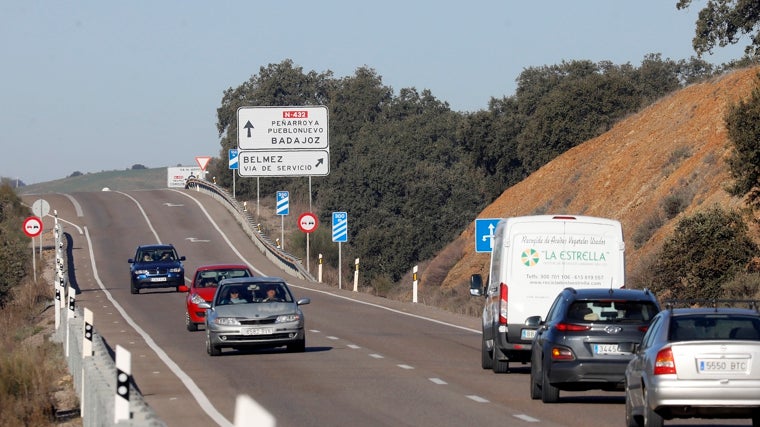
[724, 22]
[743, 124]
[705, 251]
[14, 245]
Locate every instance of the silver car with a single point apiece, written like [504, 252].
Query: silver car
[696, 363]
[250, 312]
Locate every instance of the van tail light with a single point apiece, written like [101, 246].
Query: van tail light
[664, 364]
[503, 297]
[571, 327]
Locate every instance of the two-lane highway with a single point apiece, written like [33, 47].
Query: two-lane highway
[368, 361]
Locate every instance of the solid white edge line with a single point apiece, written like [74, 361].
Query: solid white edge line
[199, 396]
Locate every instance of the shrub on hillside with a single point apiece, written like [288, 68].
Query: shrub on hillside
[14, 245]
[743, 125]
[706, 250]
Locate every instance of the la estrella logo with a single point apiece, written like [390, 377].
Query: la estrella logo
[530, 257]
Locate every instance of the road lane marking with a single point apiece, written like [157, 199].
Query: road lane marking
[477, 398]
[527, 418]
[438, 381]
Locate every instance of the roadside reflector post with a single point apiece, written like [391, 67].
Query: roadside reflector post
[123, 373]
[356, 276]
[320, 269]
[414, 284]
[70, 315]
[86, 352]
[248, 412]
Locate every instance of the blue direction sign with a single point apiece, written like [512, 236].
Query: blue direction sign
[283, 203]
[339, 227]
[484, 230]
[234, 164]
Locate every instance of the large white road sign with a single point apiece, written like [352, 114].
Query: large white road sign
[284, 163]
[283, 128]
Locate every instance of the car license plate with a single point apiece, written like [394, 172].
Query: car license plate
[527, 334]
[722, 365]
[257, 331]
[607, 349]
[158, 279]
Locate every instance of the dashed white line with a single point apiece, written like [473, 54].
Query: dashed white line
[376, 356]
[438, 381]
[478, 398]
[527, 418]
[353, 346]
[330, 337]
[402, 366]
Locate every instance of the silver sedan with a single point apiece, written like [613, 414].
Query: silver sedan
[254, 312]
[696, 363]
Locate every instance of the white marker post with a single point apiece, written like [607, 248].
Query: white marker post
[248, 412]
[320, 269]
[414, 284]
[356, 275]
[123, 373]
[70, 315]
[86, 352]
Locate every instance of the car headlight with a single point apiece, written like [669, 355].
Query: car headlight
[176, 270]
[286, 318]
[197, 299]
[227, 321]
[140, 272]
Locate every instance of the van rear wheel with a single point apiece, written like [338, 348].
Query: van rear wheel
[498, 366]
[486, 361]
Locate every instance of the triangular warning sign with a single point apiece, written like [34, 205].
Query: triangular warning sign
[202, 161]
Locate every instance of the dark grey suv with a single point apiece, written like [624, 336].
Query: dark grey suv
[587, 340]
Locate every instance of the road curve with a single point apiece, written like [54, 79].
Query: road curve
[369, 361]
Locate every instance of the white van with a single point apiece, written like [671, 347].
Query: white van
[533, 259]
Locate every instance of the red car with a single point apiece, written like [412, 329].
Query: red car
[203, 287]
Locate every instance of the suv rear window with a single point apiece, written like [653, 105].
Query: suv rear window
[612, 311]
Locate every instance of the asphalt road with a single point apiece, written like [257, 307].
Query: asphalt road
[368, 361]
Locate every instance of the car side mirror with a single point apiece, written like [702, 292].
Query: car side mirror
[204, 305]
[131, 261]
[303, 301]
[476, 285]
[182, 258]
[533, 321]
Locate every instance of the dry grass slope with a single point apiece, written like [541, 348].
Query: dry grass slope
[674, 150]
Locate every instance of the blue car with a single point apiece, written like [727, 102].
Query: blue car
[156, 266]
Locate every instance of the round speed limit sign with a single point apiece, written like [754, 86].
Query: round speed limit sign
[308, 222]
[32, 226]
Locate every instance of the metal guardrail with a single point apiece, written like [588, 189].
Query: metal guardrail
[95, 376]
[282, 258]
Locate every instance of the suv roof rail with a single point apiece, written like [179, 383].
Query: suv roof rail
[714, 303]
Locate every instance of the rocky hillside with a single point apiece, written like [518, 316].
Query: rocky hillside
[673, 151]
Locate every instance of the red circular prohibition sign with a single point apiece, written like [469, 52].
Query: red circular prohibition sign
[308, 222]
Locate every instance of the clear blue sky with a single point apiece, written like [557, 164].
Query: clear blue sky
[97, 85]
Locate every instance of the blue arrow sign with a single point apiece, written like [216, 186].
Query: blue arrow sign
[484, 231]
[234, 164]
[283, 203]
[339, 227]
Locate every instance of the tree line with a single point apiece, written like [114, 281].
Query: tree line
[411, 172]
